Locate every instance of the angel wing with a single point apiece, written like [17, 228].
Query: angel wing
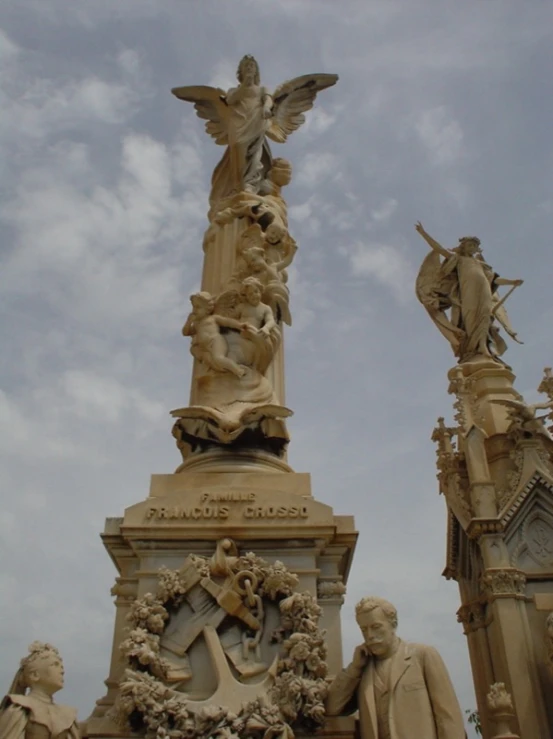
[434, 290]
[226, 303]
[292, 99]
[210, 104]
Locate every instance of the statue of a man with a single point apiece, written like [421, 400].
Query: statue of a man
[402, 690]
[34, 715]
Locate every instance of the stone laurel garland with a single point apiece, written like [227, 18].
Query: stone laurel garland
[295, 701]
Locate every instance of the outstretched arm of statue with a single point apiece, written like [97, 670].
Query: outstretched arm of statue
[229, 322]
[445, 706]
[432, 243]
[289, 258]
[505, 281]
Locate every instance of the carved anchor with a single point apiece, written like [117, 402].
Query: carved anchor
[230, 692]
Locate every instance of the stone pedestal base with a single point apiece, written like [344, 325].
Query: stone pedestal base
[272, 514]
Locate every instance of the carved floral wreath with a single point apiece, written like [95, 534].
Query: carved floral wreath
[295, 699]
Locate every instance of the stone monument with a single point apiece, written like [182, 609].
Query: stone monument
[495, 469]
[230, 571]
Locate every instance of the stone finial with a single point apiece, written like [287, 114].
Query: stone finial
[501, 711]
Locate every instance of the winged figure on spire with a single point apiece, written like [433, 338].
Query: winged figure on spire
[244, 117]
[466, 285]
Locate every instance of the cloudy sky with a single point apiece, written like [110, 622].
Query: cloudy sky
[442, 113]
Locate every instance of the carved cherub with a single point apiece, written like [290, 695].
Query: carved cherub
[263, 209]
[208, 345]
[252, 311]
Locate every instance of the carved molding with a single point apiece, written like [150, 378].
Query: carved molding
[481, 526]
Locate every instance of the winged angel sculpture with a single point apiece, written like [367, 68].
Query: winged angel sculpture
[244, 117]
[466, 285]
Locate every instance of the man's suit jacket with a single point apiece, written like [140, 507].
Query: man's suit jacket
[423, 704]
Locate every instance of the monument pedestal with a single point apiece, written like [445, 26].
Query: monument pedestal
[272, 515]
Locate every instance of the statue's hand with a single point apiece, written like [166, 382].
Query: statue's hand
[419, 228]
[518, 283]
[360, 657]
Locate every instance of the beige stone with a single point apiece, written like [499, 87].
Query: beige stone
[34, 714]
[236, 325]
[501, 710]
[496, 472]
[401, 689]
[244, 117]
[230, 572]
[466, 285]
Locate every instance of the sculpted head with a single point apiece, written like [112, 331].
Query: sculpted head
[274, 233]
[377, 619]
[468, 245]
[248, 70]
[203, 303]
[42, 669]
[252, 290]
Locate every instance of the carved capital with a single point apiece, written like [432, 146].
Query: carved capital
[331, 589]
[505, 582]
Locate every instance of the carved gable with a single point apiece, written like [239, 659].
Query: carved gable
[529, 527]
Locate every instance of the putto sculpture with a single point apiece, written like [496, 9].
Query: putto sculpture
[402, 690]
[466, 285]
[33, 714]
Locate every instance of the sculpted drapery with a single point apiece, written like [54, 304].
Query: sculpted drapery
[467, 286]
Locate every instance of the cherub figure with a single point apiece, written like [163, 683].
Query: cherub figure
[244, 117]
[265, 209]
[252, 311]
[208, 345]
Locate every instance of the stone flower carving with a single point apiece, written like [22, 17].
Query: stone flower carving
[293, 698]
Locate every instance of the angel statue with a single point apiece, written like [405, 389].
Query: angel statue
[34, 715]
[244, 117]
[467, 286]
